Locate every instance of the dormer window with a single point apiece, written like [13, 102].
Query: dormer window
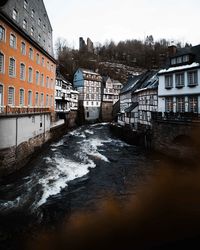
[32, 13]
[39, 21]
[24, 24]
[186, 58]
[173, 61]
[179, 60]
[15, 14]
[25, 5]
[32, 31]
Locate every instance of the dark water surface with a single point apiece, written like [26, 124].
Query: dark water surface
[75, 174]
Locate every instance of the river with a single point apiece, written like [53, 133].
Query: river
[73, 174]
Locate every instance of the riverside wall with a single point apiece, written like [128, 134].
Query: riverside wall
[23, 136]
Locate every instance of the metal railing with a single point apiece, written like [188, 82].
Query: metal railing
[7, 110]
[175, 116]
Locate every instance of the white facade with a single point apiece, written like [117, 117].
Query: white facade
[66, 98]
[88, 84]
[17, 129]
[184, 97]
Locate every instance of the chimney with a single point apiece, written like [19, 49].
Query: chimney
[172, 49]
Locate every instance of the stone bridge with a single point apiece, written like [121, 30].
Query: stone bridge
[176, 138]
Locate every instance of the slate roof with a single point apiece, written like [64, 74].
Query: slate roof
[148, 79]
[133, 105]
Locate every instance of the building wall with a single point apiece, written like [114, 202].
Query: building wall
[17, 129]
[148, 102]
[91, 113]
[162, 91]
[107, 111]
[78, 79]
[48, 70]
[174, 92]
[43, 29]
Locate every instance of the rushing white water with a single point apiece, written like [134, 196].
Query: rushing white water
[70, 158]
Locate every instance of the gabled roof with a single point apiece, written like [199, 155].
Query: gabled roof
[130, 84]
[151, 81]
[88, 71]
[133, 105]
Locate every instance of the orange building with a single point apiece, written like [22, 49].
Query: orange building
[27, 81]
[27, 69]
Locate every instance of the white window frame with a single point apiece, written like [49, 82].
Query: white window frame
[2, 68]
[14, 68]
[30, 76]
[24, 75]
[23, 103]
[14, 42]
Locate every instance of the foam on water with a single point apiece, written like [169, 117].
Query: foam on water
[65, 170]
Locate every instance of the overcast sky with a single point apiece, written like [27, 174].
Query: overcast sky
[103, 20]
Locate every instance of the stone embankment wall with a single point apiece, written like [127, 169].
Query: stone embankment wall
[24, 141]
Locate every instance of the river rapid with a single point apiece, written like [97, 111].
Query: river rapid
[73, 174]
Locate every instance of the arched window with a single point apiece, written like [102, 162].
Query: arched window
[21, 97]
[29, 98]
[13, 42]
[11, 96]
[30, 74]
[1, 62]
[22, 71]
[12, 67]
[1, 98]
[2, 33]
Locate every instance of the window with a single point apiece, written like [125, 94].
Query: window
[1, 62]
[11, 93]
[29, 98]
[180, 80]
[12, 67]
[42, 63]
[23, 48]
[173, 61]
[1, 98]
[42, 80]
[44, 42]
[192, 78]
[186, 58]
[31, 53]
[168, 81]
[36, 98]
[169, 104]
[180, 104]
[12, 41]
[47, 100]
[179, 59]
[32, 31]
[39, 38]
[193, 104]
[24, 24]
[2, 33]
[41, 99]
[47, 82]
[39, 21]
[21, 97]
[48, 65]
[32, 13]
[37, 77]
[15, 14]
[37, 58]
[44, 27]
[22, 71]
[52, 84]
[25, 5]
[30, 74]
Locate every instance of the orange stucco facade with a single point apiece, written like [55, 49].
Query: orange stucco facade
[47, 69]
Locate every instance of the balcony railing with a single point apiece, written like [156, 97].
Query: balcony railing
[172, 116]
[7, 110]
